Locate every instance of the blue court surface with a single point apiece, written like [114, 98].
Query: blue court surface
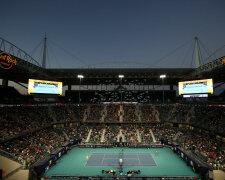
[129, 159]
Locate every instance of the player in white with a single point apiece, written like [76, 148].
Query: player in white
[121, 161]
[87, 157]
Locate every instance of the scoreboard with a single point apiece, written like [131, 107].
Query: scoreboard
[204, 86]
[44, 87]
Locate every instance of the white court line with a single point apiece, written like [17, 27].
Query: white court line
[153, 159]
[88, 159]
[145, 165]
[123, 158]
[129, 165]
[125, 165]
[123, 153]
[139, 159]
[149, 154]
[103, 159]
[104, 153]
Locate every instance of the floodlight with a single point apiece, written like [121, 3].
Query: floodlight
[121, 76]
[80, 76]
[162, 76]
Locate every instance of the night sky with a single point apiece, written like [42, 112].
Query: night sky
[114, 33]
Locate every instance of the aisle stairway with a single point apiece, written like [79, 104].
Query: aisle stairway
[86, 113]
[52, 114]
[190, 114]
[153, 137]
[66, 136]
[138, 112]
[138, 136]
[156, 113]
[170, 114]
[121, 113]
[71, 112]
[104, 114]
[177, 135]
[103, 136]
[89, 136]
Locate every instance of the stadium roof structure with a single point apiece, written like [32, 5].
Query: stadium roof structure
[27, 68]
[145, 76]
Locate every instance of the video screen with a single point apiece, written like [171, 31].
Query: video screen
[204, 86]
[44, 87]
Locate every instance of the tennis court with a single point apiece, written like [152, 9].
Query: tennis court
[164, 163]
[129, 159]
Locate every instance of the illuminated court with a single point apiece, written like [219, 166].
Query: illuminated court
[150, 164]
[129, 159]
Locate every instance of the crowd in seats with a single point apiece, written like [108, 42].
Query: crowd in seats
[147, 114]
[211, 117]
[16, 120]
[130, 133]
[80, 132]
[145, 134]
[111, 133]
[33, 147]
[203, 115]
[129, 113]
[71, 132]
[112, 113]
[79, 111]
[208, 149]
[61, 113]
[73, 112]
[96, 134]
[95, 113]
[164, 111]
[19, 119]
[163, 132]
[179, 113]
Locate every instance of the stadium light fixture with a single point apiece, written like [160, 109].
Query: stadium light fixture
[80, 76]
[121, 76]
[162, 76]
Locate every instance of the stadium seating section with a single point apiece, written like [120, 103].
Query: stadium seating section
[30, 133]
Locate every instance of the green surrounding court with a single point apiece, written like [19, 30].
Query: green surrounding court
[168, 163]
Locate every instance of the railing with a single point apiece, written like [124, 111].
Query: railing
[12, 172]
[12, 49]
[211, 65]
[197, 158]
[98, 177]
[9, 156]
